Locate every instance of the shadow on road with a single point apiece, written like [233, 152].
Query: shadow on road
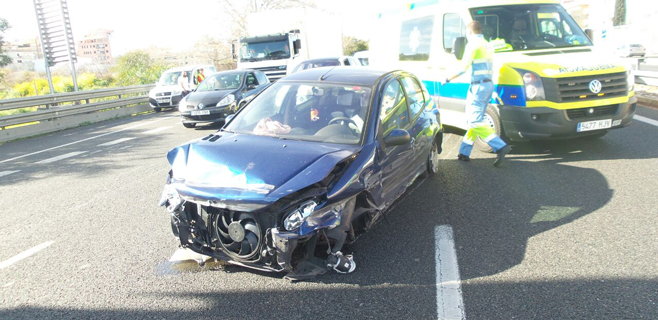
[577, 299]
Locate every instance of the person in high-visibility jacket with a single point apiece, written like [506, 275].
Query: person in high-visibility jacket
[479, 57]
[200, 76]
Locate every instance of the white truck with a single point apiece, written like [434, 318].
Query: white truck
[278, 40]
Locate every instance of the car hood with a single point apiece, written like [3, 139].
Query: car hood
[161, 88]
[564, 63]
[207, 97]
[247, 172]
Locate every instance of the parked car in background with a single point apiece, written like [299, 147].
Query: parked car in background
[327, 62]
[167, 92]
[363, 57]
[317, 157]
[631, 50]
[220, 95]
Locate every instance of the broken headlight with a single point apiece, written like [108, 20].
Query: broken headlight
[325, 217]
[170, 198]
[295, 218]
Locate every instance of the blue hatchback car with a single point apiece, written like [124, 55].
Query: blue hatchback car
[315, 159]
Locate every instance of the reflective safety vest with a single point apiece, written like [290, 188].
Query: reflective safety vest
[479, 57]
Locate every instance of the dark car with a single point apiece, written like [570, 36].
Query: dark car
[327, 62]
[220, 95]
[316, 159]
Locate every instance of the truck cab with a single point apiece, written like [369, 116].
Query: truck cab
[551, 81]
[300, 34]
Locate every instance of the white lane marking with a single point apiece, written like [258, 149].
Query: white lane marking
[117, 141]
[83, 140]
[24, 254]
[62, 157]
[646, 120]
[156, 130]
[6, 173]
[449, 302]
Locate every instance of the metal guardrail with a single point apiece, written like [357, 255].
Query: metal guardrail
[54, 99]
[77, 109]
[649, 78]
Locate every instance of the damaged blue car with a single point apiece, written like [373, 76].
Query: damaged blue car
[312, 162]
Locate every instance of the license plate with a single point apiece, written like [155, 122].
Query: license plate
[595, 125]
[164, 100]
[200, 112]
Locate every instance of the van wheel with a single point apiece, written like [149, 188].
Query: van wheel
[491, 118]
[189, 125]
[157, 109]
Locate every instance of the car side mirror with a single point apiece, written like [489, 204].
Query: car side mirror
[589, 33]
[397, 137]
[458, 47]
[235, 56]
[297, 45]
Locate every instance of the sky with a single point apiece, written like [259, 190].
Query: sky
[177, 24]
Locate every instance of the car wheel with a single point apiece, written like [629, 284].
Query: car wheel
[433, 160]
[157, 109]
[189, 125]
[492, 119]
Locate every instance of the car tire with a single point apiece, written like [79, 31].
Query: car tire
[157, 109]
[189, 125]
[493, 118]
[240, 106]
[433, 160]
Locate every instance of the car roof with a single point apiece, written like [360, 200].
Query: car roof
[232, 72]
[352, 75]
[325, 59]
[188, 68]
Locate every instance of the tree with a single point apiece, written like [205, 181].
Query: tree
[620, 13]
[4, 59]
[138, 67]
[217, 51]
[239, 10]
[352, 45]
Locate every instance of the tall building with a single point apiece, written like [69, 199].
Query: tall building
[23, 54]
[96, 46]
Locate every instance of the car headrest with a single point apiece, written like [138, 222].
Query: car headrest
[345, 99]
[519, 25]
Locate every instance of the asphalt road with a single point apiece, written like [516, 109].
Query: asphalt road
[566, 230]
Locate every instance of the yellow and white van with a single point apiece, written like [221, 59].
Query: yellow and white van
[551, 82]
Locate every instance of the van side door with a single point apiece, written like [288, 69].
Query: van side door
[452, 96]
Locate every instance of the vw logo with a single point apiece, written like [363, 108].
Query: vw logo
[595, 86]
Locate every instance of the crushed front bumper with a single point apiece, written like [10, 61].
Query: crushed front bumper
[207, 231]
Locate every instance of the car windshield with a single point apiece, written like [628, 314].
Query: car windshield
[316, 64]
[221, 82]
[269, 50]
[169, 78]
[315, 112]
[529, 27]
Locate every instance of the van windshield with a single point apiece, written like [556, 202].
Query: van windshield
[169, 78]
[529, 27]
[257, 50]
